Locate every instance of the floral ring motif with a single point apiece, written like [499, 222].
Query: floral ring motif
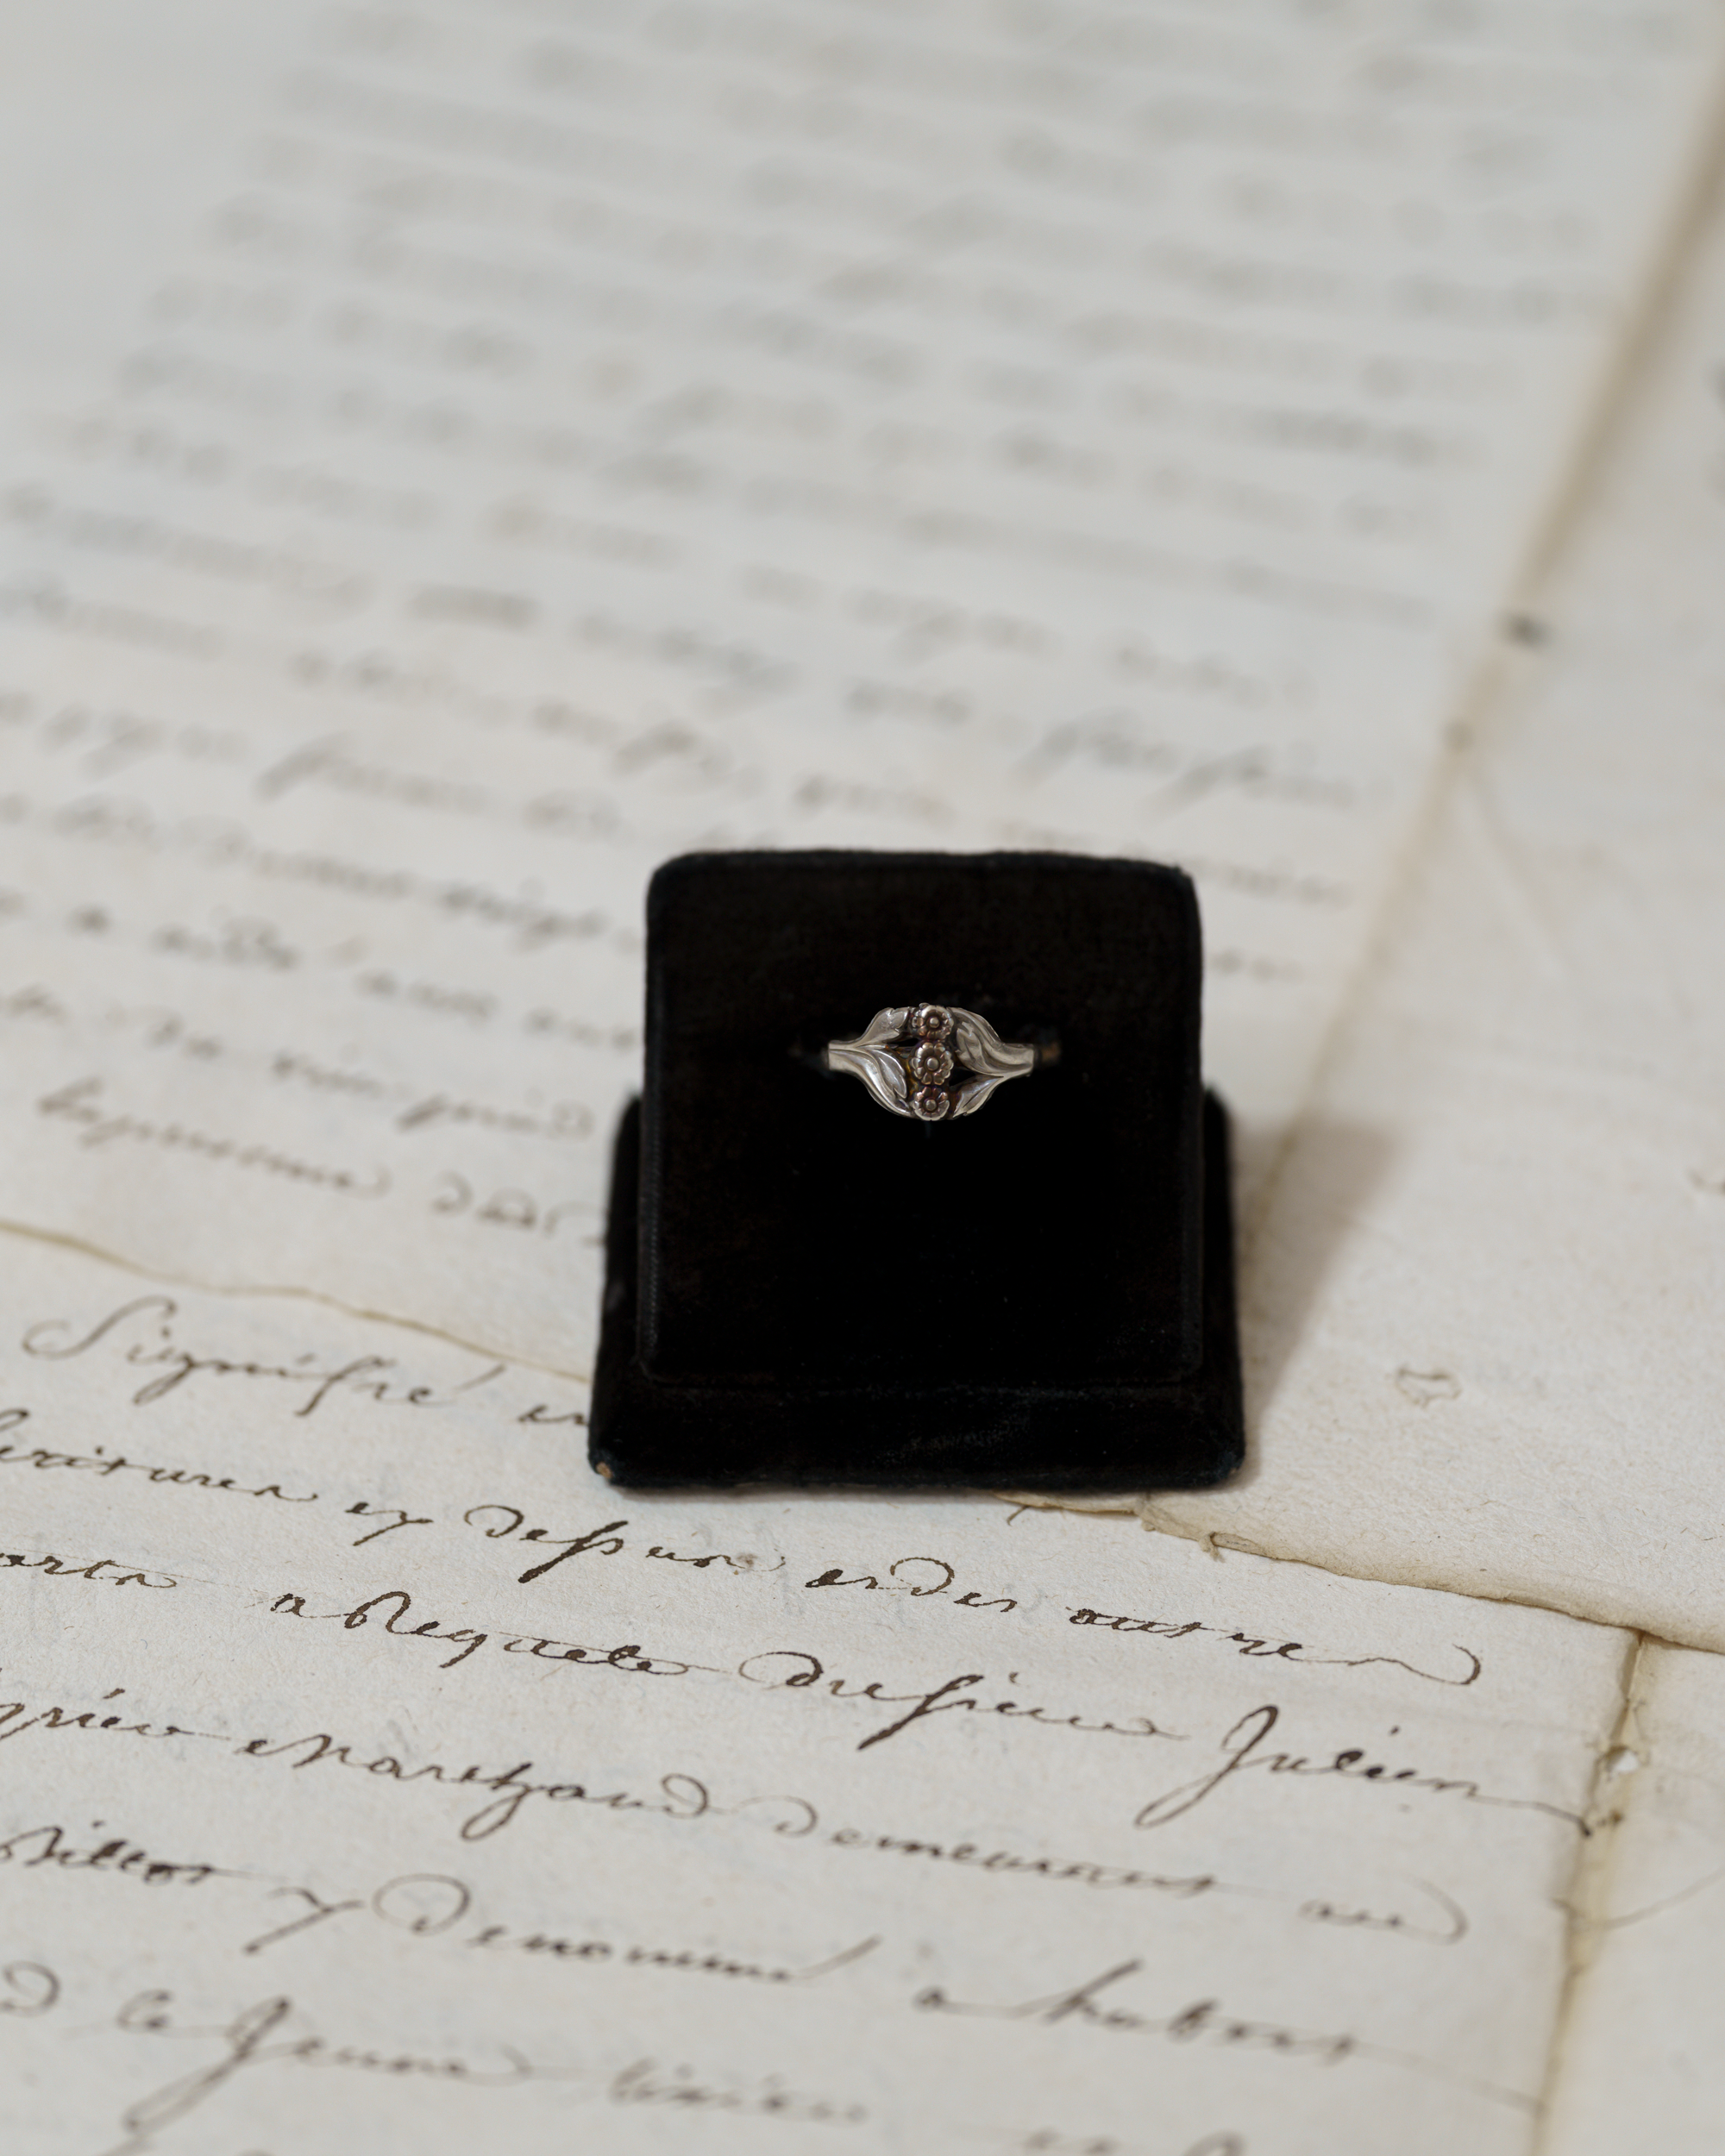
[931, 1061]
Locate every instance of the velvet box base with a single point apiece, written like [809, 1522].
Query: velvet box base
[1181, 1434]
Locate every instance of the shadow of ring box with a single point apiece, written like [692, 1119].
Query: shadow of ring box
[802, 1287]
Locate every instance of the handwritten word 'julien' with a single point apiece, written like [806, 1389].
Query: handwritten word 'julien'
[1242, 1749]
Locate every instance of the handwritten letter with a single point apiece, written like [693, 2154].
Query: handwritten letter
[374, 1775]
[571, 435]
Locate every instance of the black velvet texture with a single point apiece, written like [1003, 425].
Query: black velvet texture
[803, 1287]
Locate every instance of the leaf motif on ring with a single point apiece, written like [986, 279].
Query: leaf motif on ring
[979, 1045]
[884, 1076]
[883, 1057]
[970, 1097]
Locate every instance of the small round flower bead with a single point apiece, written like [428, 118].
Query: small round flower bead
[930, 1103]
[930, 1064]
[932, 1020]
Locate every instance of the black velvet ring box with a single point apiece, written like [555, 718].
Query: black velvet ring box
[803, 1287]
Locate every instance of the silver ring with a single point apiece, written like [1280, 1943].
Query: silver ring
[931, 1061]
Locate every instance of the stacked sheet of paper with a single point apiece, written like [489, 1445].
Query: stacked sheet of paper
[456, 456]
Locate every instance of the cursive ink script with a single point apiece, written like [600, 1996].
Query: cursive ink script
[1267, 1648]
[1243, 1749]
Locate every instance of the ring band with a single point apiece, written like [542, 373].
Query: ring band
[930, 1060]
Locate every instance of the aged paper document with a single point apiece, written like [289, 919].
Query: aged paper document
[374, 1778]
[460, 454]
[1642, 2065]
[563, 436]
[1486, 1339]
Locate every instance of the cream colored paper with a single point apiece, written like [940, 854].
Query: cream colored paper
[376, 1778]
[563, 438]
[1640, 2059]
[1484, 1324]
[463, 454]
